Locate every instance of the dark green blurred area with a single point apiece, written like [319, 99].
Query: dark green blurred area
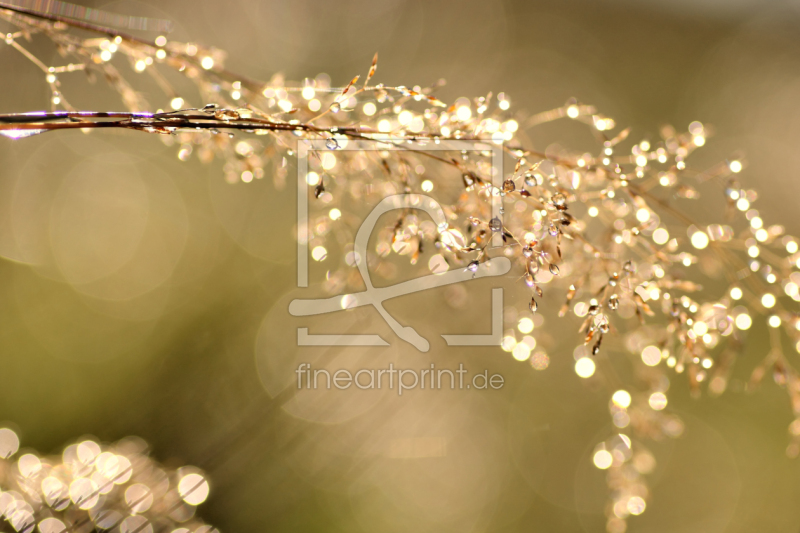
[171, 357]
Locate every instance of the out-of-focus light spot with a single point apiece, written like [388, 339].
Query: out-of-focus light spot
[185, 152]
[636, 505]
[508, 343]
[437, 264]
[348, 301]
[602, 459]
[660, 236]
[525, 325]
[621, 398]
[314, 105]
[193, 489]
[51, 525]
[643, 215]
[319, 253]
[83, 493]
[464, 113]
[735, 166]
[328, 161]
[138, 497]
[768, 300]
[370, 109]
[405, 117]
[651, 355]
[540, 360]
[699, 240]
[308, 92]
[593, 211]
[521, 352]
[29, 465]
[207, 63]
[176, 103]
[427, 185]
[584, 367]
[791, 289]
[573, 111]
[9, 443]
[736, 293]
[335, 214]
[743, 321]
[657, 401]
[700, 328]
[774, 321]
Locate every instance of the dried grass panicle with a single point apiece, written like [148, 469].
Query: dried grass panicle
[605, 231]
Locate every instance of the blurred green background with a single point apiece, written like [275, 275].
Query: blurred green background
[134, 285]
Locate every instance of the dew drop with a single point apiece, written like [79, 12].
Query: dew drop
[495, 225]
[613, 302]
[554, 270]
[533, 305]
[529, 180]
